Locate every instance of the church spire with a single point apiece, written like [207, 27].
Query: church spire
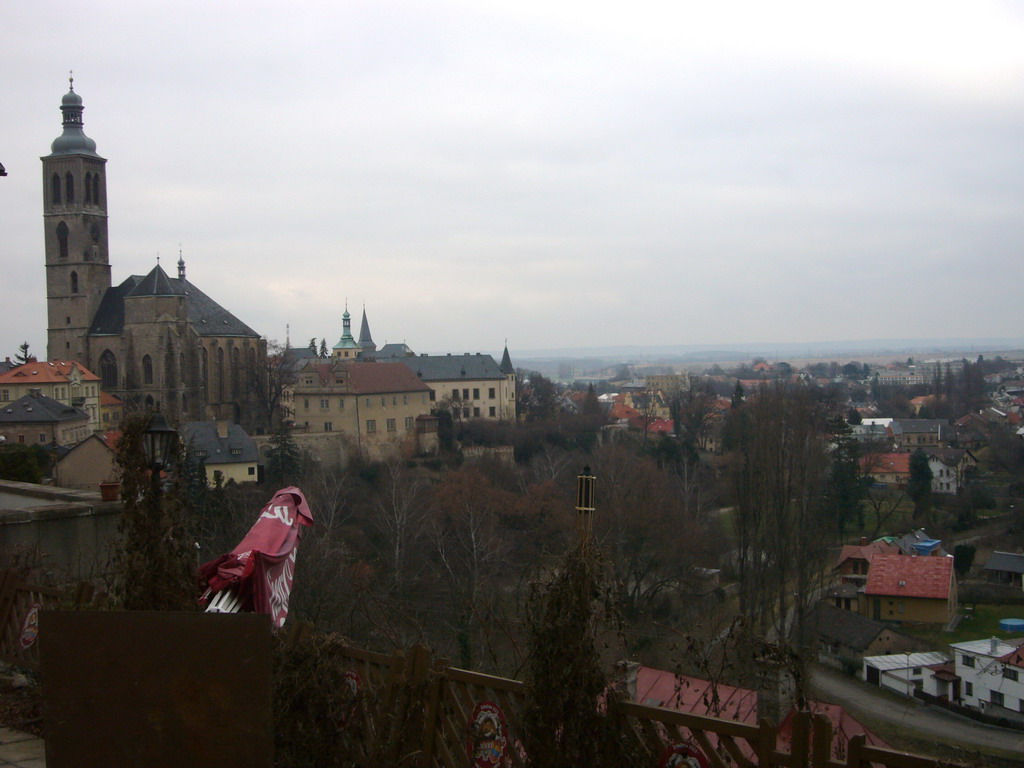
[73, 140]
[365, 340]
[506, 362]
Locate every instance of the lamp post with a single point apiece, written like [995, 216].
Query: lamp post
[159, 441]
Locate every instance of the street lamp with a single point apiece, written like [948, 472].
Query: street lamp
[159, 441]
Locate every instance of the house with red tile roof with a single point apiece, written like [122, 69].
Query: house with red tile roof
[65, 381]
[912, 589]
[891, 469]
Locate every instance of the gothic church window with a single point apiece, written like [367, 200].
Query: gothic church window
[88, 188]
[96, 189]
[147, 369]
[74, 282]
[235, 373]
[220, 373]
[69, 188]
[108, 369]
[55, 187]
[62, 239]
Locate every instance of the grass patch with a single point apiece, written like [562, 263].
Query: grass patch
[979, 624]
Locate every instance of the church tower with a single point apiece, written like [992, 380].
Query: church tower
[75, 227]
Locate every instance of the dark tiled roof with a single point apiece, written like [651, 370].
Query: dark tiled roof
[465, 367]
[208, 318]
[846, 627]
[369, 378]
[918, 426]
[39, 409]
[202, 436]
[1005, 561]
[506, 362]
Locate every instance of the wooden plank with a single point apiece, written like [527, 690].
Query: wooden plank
[488, 681]
[821, 741]
[688, 720]
[430, 720]
[764, 744]
[801, 731]
[735, 751]
[893, 759]
[712, 754]
[854, 750]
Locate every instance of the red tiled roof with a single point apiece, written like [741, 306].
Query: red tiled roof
[373, 378]
[866, 551]
[1014, 658]
[690, 694]
[49, 372]
[889, 463]
[909, 576]
[620, 410]
[108, 399]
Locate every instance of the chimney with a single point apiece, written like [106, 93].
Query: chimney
[222, 429]
[35, 392]
[776, 692]
[863, 541]
[994, 645]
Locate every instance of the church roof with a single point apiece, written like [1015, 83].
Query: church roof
[506, 362]
[207, 317]
[73, 140]
[365, 340]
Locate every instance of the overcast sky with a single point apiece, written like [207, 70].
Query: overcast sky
[558, 174]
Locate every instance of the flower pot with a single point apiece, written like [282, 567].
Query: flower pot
[110, 491]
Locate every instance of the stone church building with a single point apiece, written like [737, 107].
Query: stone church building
[154, 340]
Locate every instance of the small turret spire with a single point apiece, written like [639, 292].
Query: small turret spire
[181, 264]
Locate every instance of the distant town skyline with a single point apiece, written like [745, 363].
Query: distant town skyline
[577, 176]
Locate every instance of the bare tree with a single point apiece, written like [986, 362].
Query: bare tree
[399, 515]
[271, 380]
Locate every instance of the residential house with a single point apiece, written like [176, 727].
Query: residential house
[65, 381]
[378, 409]
[911, 434]
[89, 463]
[989, 675]
[111, 410]
[224, 449]
[950, 468]
[910, 589]
[844, 636]
[1005, 568]
[36, 419]
[888, 469]
[917, 543]
[854, 559]
[901, 672]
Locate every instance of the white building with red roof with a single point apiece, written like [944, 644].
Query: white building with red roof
[988, 675]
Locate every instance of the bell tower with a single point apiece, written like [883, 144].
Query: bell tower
[75, 235]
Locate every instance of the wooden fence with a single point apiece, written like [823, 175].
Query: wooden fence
[449, 705]
[410, 709]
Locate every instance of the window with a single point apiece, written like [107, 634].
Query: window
[199, 453]
[433, 395]
[236, 451]
[62, 240]
[42, 437]
[383, 402]
[391, 425]
[394, 400]
[405, 399]
[96, 196]
[341, 402]
[455, 394]
[968, 661]
[476, 393]
[328, 426]
[915, 671]
[409, 421]
[491, 412]
[476, 412]
[325, 403]
[108, 370]
[465, 413]
[968, 689]
[74, 282]
[490, 393]
[305, 403]
[147, 369]
[69, 188]
[367, 402]
[5, 394]
[88, 187]
[1009, 674]
[252, 470]
[465, 394]
[371, 425]
[55, 189]
[996, 698]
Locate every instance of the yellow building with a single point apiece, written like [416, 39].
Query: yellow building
[918, 589]
[65, 381]
[224, 449]
[373, 408]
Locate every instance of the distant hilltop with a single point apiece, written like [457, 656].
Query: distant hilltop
[711, 353]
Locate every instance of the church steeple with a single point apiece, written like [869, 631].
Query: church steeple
[365, 340]
[347, 347]
[75, 235]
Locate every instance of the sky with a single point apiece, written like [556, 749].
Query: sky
[557, 174]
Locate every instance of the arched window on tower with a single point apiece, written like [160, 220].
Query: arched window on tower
[88, 188]
[204, 373]
[62, 239]
[74, 282]
[69, 187]
[147, 369]
[96, 189]
[55, 189]
[108, 370]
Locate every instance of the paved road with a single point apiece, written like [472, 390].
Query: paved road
[860, 698]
